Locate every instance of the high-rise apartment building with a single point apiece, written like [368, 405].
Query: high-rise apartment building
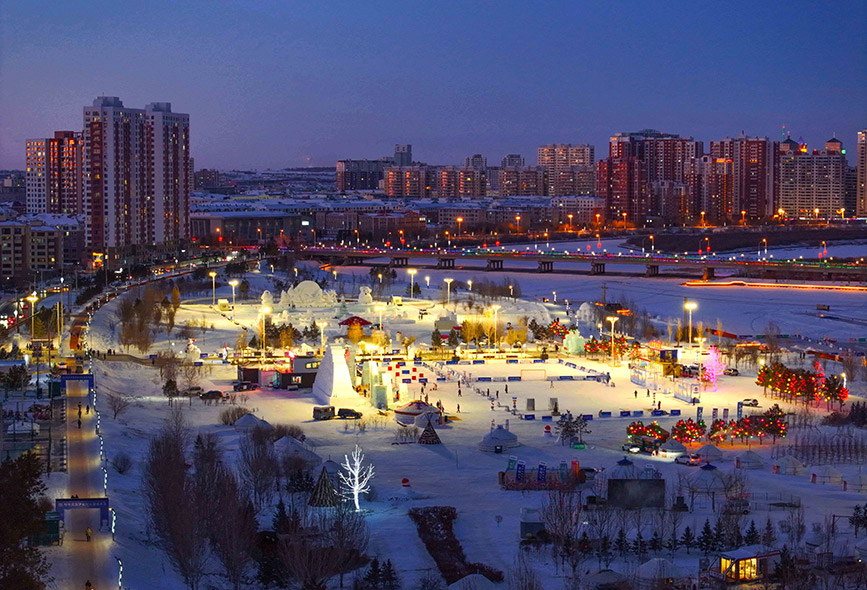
[403, 155]
[410, 182]
[811, 184]
[861, 175]
[755, 170]
[512, 161]
[564, 163]
[522, 181]
[137, 174]
[206, 178]
[54, 174]
[476, 161]
[26, 248]
[360, 175]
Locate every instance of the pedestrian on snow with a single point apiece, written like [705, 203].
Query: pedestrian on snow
[459, 392]
[88, 532]
[507, 389]
[636, 394]
[648, 393]
[87, 409]
[459, 408]
[659, 407]
[79, 412]
[79, 423]
[552, 384]
[498, 394]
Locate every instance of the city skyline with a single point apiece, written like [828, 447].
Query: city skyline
[308, 86]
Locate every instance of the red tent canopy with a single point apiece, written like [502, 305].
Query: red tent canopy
[354, 320]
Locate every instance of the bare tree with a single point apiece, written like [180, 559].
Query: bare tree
[523, 576]
[233, 535]
[167, 363]
[259, 469]
[191, 375]
[307, 563]
[118, 404]
[346, 531]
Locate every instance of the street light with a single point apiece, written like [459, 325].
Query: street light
[427, 282]
[496, 308]
[555, 296]
[690, 306]
[613, 320]
[702, 218]
[470, 284]
[32, 298]
[448, 290]
[518, 223]
[511, 291]
[743, 217]
[570, 221]
[265, 311]
[233, 283]
[380, 277]
[652, 245]
[213, 276]
[322, 324]
[411, 272]
[624, 219]
[460, 221]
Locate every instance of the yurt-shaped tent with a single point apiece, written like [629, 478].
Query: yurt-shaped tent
[710, 454]
[289, 446]
[750, 460]
[498, 437]
[857, 484]
[708, 482]
[671, 448]
[406, 413]
[788, 465]
[249, 422]
[606, 580]
[625, 469]
[659, 573]
[826, 474]
[474, 582]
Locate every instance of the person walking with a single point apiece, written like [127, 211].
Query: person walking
[88, 532]
[636, 394]
[87, 409]
[79, 423]
[459, 408]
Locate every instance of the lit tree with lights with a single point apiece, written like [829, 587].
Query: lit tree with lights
[687, 431]
[357, 478]
[719, 431]
[713, 367]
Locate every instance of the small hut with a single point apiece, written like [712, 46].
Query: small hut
[323, 495]
[749, 460]
[710, 454]
[671, 448]
[498, 438]
[249, 422]
[625, 469]
[789, 465]
[406, 413]
[429, 436]
[857, 484]
[289, 446]
[745, 564]
[826, 474]
[660, 573]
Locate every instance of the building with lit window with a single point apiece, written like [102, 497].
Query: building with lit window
[54, 173]
[861, 176]
[812, 184]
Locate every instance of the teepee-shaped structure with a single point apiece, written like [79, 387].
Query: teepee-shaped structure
[323, 495]
[333, 384]
[429, 436]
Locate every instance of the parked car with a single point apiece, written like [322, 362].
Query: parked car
[752, 403]
[193, 391]
[689, 459]
[590, 472]
[631, 448]
[213, 394]
[731, 372]
[323, 412]
[347, 413]
[244, 386]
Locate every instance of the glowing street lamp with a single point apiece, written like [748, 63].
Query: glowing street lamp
[460, 220]
[380, 277]
[743, 217]
[689, 306]
[518, 223]
[624, 219]
[233, 283]
[448, 283]
[427, 282]
[265, 311]
[652, 245]
[32, 299]
[511, 291]
[470, 284]
[570, 221]
[411, 272]
[213, 276]
[555, 296]
[322, 324]
[613, 320]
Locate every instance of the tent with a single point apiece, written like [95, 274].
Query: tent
[333, 385]
[249, 422]
[606, 580]
[788, 465]
[426, 418]
[710, 454]
[323, 494]
[498, 437]
[857, 484]
[474, 582]
[671, 448]
[289, 446]
[352, 320]
[406, 413]
[707, 479]
[625, 469]
[658, 573]
[826, 474]
[750, 460]
[429, 436]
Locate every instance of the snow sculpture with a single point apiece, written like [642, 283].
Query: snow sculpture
[364, 296]
[308, 294]
[193, 353]
[574, 342]
[285, 300]
[267, 299]
[333, 385]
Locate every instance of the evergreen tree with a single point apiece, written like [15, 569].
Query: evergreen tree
[639, 547]
[785, 569]
[454, 339]
[621, 543]
[655, 544]
[688, 539]
[672, 543]
[720, 539]
[436, 339]
[373, 577]
[388, 577]
[857, 518]
[707, 539]
[752, 537]
[769, 537]
[280, 522]
[603, 549]
[21, 514]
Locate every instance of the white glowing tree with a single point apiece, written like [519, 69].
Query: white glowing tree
[357, 478]
[713, 366]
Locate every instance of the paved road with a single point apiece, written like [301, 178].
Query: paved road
[88, 561]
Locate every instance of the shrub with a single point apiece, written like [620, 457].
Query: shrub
[293, 430]
[230, 415]
[121, 462]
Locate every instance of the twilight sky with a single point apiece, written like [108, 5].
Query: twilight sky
[277, 84]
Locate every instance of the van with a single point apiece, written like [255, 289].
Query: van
[323, 412]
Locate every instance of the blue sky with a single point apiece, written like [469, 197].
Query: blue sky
[277, 84]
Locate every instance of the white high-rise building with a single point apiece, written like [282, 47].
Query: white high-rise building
[137, 174]
[861, 176]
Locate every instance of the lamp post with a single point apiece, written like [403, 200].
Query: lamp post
[555, 296]
[322, 324]
[624, 219]
[689, 306]
[743, 217]
[448, 290]
[411, 272]
[213, 276]
[496, 330]
[233, 283]
[570, 221]
[32, 299]
[652, 245]
[512, 291]
[265, 311]
[470, 284]
[702, 218]
[427, 282]
[613, 320]
[460, 221]
[518, 223]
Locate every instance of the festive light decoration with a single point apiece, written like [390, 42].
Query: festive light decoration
[603, 347]
[557, 330]
[801, 385]
[653, 430]
[688, 431]
[719, 431]
[357, 478]
[713, 367]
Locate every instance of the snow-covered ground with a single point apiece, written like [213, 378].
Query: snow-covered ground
[457, 473]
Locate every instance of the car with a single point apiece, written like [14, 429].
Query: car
[752, 403]
[347, 413]
[590, 472]
[688, 459]
[195, 390]
[731, 372]
[631, 448]
[736, 506]
[213, 394]
[244, 386]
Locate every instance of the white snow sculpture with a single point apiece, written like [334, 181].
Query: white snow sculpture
[310, 295]
[333, 385]
[285, 300]
[193, 353]
[364, 296]
[267, 299]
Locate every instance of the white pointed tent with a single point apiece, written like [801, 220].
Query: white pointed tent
[789, 465]
[710, 454]
[333, 385]
[750, 460]
[672, 448]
